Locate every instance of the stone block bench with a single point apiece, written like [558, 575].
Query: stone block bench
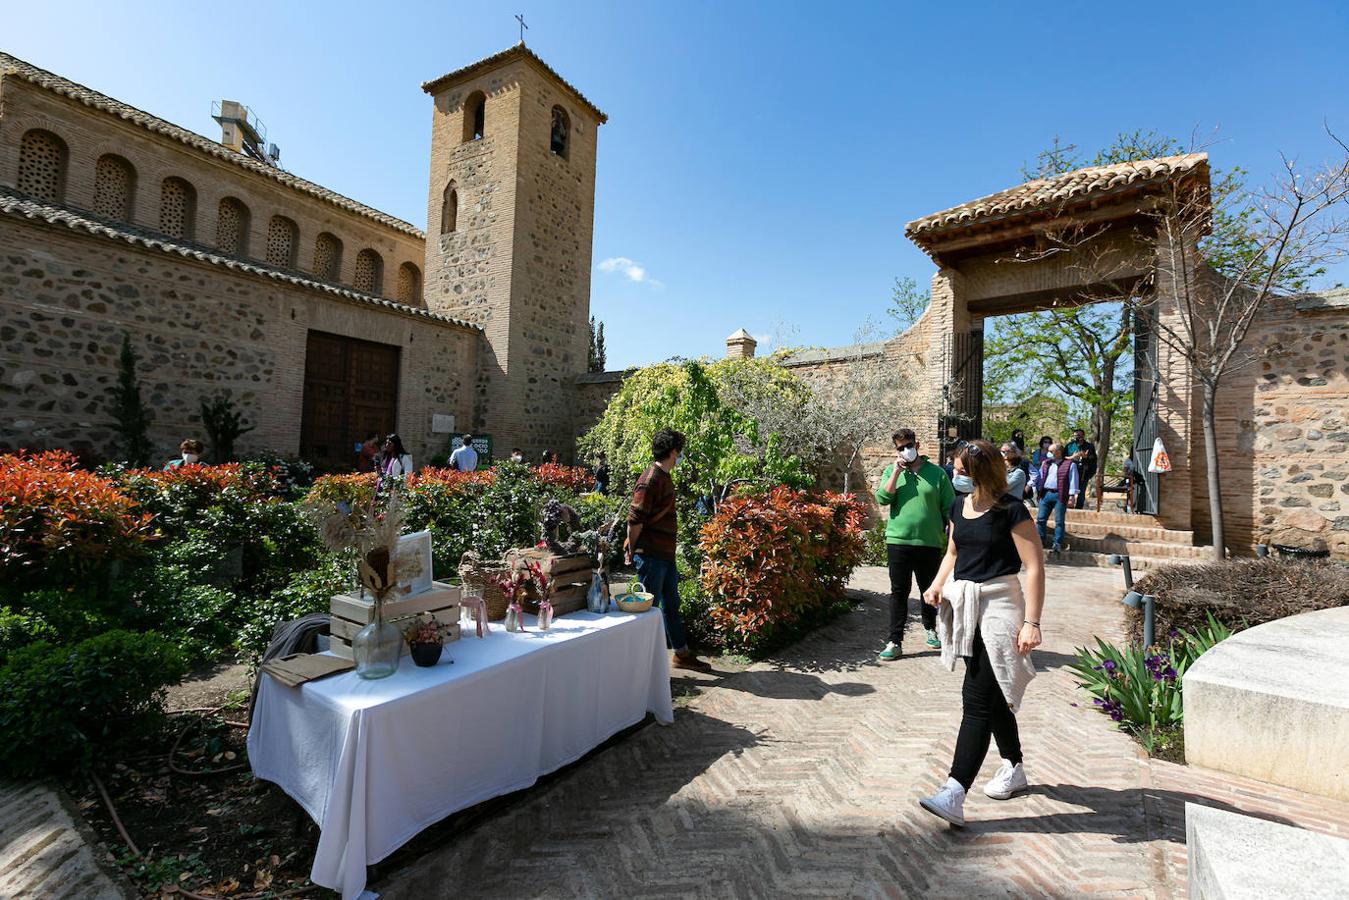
[1236, 857]
[1272, 703]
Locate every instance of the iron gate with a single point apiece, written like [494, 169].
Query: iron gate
[1145, 411]
[962, 414]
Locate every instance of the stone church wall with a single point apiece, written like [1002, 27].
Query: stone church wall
[67, 298]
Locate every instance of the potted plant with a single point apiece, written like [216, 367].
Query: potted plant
[426, 638]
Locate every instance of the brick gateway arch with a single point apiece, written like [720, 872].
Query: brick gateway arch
[1085, 236]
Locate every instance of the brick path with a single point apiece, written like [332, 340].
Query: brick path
[798, 778]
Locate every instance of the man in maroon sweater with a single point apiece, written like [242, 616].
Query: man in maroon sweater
[650, 545]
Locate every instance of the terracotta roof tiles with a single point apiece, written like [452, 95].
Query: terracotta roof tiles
[13, 66]
[519, 51]
[1047, 193]
[18, 205]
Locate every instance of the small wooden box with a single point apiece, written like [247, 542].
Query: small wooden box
[349, 614]
[571, 576]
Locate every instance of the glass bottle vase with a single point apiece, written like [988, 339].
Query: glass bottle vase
[378, 647]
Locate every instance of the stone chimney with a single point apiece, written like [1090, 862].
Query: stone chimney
[740, 345]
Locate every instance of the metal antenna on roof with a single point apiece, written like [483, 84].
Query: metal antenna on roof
[520, 17]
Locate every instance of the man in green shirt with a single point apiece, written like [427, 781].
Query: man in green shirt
[919, 496]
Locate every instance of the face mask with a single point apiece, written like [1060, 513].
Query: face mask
[908, 454]
[517, 458]
[676, 462]
[963, 484]
[190, 458]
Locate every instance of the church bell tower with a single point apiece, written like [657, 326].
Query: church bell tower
[510, 219]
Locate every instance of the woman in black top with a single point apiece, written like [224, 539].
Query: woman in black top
[987, 619]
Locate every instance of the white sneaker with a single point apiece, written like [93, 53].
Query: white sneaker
[1011, 779]
[949, 803]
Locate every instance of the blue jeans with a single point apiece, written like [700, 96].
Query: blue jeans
[661, 578]
[1050, 500]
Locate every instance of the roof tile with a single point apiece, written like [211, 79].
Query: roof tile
[505, 56]
[1045, 193]
[12, 203]
[11, 65]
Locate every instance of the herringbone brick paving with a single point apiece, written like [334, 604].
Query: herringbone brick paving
[799, 778]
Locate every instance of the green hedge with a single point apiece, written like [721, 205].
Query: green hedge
[60, 705]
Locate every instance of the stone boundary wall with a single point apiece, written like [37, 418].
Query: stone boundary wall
[67, 298]
[1283, 432]
[90, 133]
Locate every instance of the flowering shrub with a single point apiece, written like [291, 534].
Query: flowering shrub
[179, 497]
[774, 560]
[1140, 688]
[58, 521]
[576, 479]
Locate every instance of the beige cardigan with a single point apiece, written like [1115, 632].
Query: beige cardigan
[997, 608]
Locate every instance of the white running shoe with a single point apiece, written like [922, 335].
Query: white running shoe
[1011, 779]
[949, 803]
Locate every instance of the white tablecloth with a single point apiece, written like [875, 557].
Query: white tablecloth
[375, 762]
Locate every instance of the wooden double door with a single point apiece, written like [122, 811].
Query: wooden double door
[350, 390]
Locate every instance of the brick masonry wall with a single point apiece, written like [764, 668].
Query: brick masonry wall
[67, 298]
[90, 133]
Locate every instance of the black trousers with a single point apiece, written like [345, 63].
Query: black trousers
[907, 564]
[985, 715]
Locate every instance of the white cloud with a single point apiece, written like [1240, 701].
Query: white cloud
[765, 340]
[629, 269]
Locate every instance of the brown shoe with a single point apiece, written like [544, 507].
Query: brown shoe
[689, 661]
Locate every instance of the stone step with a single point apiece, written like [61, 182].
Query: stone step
[1237, 857]
[1102, 560]
[1151, 534]
[1158, 549]
[1272, 703]
[1113, 518]
[45, 852]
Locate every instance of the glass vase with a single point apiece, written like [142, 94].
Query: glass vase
[377, 647]
[514, 618]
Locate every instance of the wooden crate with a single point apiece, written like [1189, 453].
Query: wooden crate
[351, 613]
[571, 575]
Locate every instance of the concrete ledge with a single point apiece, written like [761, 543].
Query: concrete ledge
[1236, 857]
[1272, 703]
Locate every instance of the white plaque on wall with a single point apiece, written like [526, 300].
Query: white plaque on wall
[441, 423]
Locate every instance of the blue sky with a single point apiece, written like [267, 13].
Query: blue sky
[761, 159]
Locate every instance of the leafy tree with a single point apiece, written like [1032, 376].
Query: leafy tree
[224, 424]
[133, 418]
[1225, 260]
[725, 444]
[907, 303]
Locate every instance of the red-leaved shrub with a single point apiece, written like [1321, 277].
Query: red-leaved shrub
[772, 560]
[572, 478]
[59, 520]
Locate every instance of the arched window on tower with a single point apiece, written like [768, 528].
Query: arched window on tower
[449, 209]
[560, 136]
[409, 284]
[114, 187]
[369, 278]
[475, 108]
[328, 257]
[282, 236]
[231, 226]
[42, 166]
[177, 208]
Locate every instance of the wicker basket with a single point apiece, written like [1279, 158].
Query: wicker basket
[480, 576]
